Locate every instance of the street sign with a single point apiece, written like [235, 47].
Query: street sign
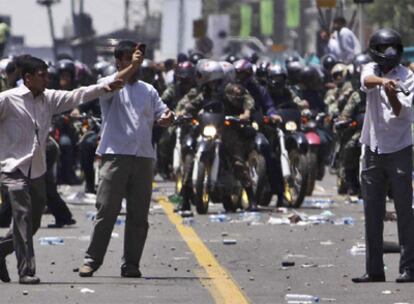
[326, 3]
[199, 28]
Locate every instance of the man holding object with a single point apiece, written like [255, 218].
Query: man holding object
[25, 118]
[127, 161]
[387, 137]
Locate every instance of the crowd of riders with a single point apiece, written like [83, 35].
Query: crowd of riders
[253, 93]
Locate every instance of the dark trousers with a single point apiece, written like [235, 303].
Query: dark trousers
[56, 205]
[87, 150]
[379, 170]
[27, 198]
[122, 176]
[5, 210]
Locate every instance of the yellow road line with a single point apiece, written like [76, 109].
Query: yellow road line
[220, 284]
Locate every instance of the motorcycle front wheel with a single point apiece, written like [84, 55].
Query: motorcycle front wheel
[296, 184]
[201, 189]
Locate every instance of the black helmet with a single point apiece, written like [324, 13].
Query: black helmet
[359, 61]
[292, 59]
[385, 47]
[244, 69]
[293, 71]
[66, 65]
[261, 71]
[328, 61]
[185, 70]
[277, 77]
[310, 78]
[232, 58]
[195, 57]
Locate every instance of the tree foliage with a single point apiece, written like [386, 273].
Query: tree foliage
[396, 14]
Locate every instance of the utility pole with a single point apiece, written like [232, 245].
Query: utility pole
[126, 14]
[48, 4]
[181, 26]
[361, 25]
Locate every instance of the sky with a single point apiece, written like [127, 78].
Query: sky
[30, 19]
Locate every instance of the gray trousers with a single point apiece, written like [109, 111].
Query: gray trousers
[379, 171]
[122, 176]
[27, 199]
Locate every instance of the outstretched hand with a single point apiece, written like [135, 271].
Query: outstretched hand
[166, 119]
[117, 84]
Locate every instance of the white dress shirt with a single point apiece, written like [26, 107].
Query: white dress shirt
[25, 122]
[128, 116]
[344, 45]
[383, 130]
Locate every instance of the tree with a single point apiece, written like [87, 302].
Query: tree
[396, 14]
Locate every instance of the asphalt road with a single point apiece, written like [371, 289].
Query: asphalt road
[191, 264]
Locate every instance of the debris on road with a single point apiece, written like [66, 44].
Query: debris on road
[87, 290]
[358, 249]
[301, 298]
[288, 264]
[250, 217]
[81, 198]
[318, 203]
[219, 218]
[229, 241]
[51, 240]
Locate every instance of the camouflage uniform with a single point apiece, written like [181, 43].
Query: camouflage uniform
[238, 143]
[349, 158]
[166, 141]
[336, 98]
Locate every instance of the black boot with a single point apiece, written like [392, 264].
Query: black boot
[4, 274]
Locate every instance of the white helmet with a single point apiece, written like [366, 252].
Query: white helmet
[339, 69]
[229, 71]
[207, 71]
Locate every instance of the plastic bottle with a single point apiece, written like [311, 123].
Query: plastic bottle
[188, 221]
[215, 218]
[51, 240]
[301, 298]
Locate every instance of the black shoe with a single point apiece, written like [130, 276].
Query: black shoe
[130, 272]
[406, 277]
[86, 271]
[370, 278]
[29, 280]
[4, 274]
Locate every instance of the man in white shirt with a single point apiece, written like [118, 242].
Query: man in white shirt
[25, 119]
[386, 133]
[343, 42]
[127, 162]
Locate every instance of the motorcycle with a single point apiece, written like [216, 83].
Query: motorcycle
[344, 129]
[316, 154]
[213, 179]
[291, 146]
[184, 149]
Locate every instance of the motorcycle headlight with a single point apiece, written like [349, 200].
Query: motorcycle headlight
[291, 126]
[209, 131]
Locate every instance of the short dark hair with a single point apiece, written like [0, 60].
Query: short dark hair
[30, 65]
[124, 47]
[340, 20]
